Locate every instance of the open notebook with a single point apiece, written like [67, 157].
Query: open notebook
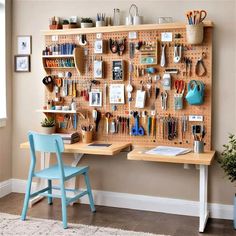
[168, 151]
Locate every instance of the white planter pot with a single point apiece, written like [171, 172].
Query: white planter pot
[86, 25]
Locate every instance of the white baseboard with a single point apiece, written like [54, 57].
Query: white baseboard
[5, 187]
[133, 201]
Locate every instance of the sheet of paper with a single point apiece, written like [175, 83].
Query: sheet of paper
[168, 151]
[117, 93]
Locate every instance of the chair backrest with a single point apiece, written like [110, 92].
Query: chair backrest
[46, 142]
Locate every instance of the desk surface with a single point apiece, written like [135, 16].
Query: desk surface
[205, 158]
[115, 148]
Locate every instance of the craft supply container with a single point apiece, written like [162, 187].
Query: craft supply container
[198, 146]
[194, 33]
[100, 23]
[87, 136]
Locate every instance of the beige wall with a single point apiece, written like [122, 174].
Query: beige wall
[5, 132]
[116, 173]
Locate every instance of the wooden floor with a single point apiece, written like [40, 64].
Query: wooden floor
[126, 219]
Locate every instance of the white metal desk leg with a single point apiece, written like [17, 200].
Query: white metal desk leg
[77, 158]
[204, 213]
[41, 183]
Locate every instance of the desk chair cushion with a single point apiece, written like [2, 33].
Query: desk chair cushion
[53, 172]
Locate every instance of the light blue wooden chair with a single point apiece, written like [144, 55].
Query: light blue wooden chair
[61, 172]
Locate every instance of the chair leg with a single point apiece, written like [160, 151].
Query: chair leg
[63, 205]
[27, 196]
[50, 191]
[86, 177]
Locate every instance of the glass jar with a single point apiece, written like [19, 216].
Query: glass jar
[116, 17]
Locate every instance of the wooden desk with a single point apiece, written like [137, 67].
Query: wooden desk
[78, 149]
[114, 149]
[203, 160]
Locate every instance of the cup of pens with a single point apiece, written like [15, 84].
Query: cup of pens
[100, 20]
[195, 28]
[87, 134]
[198, 145]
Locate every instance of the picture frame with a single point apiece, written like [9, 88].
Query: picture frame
[22, 63]
[24, 44]
[117, 94]
[95, 98]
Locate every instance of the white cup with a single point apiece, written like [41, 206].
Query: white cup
[129, 20]
[137, 20]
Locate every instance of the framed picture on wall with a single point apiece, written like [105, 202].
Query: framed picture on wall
[24, 45]
[22, 63]
[95, 98]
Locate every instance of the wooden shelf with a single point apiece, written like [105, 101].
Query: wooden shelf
[78, 56]
[58, 111]
[57, 56]
[139, 154]
[121, 28]
[71, 67]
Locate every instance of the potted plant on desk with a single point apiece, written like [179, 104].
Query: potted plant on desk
[48, 125]
[227, 161]
[86, 22]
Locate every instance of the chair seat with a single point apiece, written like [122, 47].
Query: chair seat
[54, 173]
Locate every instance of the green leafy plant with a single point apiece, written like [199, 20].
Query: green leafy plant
[48, 122]
[86, 20]
[227, 159]
[65, 22]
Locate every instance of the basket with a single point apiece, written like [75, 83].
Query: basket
[194, 33]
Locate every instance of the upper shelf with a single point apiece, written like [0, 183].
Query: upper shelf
[121, 28]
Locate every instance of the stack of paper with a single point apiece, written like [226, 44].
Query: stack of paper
[168, 151]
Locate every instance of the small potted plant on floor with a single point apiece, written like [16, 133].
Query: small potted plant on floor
[48, 125]
[227, 161]
[86, 22]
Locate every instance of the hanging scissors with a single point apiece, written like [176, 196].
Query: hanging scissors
[179, 86]
[202, 16]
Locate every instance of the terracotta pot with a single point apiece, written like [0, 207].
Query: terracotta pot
[48, 130]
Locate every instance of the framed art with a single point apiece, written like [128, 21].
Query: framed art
[24, 45]
[22, 63]
[95, 99]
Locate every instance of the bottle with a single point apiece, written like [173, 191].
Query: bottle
[116, 17]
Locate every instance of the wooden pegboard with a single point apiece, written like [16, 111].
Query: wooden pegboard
[193, 52]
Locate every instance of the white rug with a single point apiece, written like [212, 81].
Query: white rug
[12, 225]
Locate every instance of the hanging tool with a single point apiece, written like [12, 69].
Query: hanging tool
[163, 55]
[131, 50]
[153, 125]
[149, 124]
[82, 40]
[200, 69]
[75, 121]
[177, 53]
[179, 86]
[108, 115]
[96, 117]
[65, 88]
[164, 96]
[136, 129]
[113, 127]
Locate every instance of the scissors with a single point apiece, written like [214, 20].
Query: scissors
[201, 16]
[196, 17]
[179, 86]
